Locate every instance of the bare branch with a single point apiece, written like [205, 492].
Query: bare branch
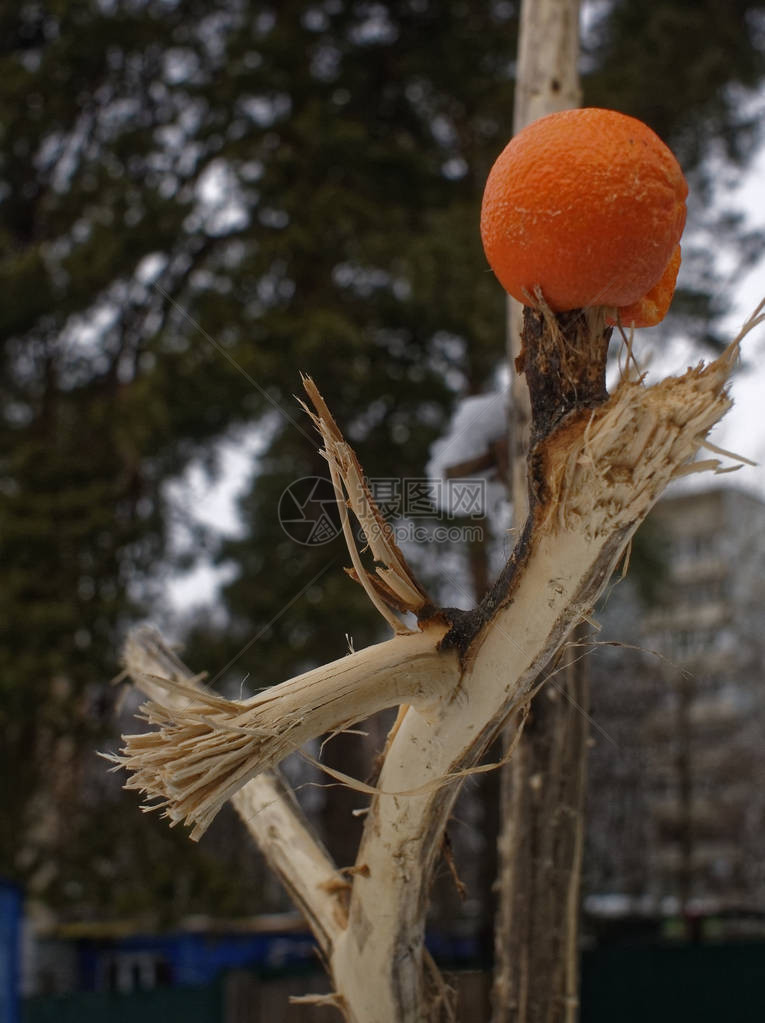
[206, 748]
[397, 585]
[265, 804]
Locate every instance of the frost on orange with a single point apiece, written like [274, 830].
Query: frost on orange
[588, 205]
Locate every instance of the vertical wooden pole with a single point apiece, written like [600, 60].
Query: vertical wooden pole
[542, 789]
[547, 80]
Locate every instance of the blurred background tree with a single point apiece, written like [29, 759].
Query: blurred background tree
[199, 201]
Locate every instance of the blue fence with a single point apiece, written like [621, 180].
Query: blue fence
[185, 960]
[10, 918]
[188, 976]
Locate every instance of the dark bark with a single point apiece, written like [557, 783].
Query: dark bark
[545, 787]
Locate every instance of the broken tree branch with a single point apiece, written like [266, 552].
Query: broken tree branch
[598, 465]
[597, 476]
[266, 804]
[206, 747]
[394, 584]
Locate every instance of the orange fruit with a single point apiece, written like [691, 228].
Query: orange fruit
[588, 205]
[652, 308]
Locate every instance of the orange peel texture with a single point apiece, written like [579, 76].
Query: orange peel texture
[653, 307]
[588, 205]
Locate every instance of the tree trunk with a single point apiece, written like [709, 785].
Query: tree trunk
[600, 463]
[540, 848]
[543, 787]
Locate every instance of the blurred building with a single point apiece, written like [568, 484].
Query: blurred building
[677, 800]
